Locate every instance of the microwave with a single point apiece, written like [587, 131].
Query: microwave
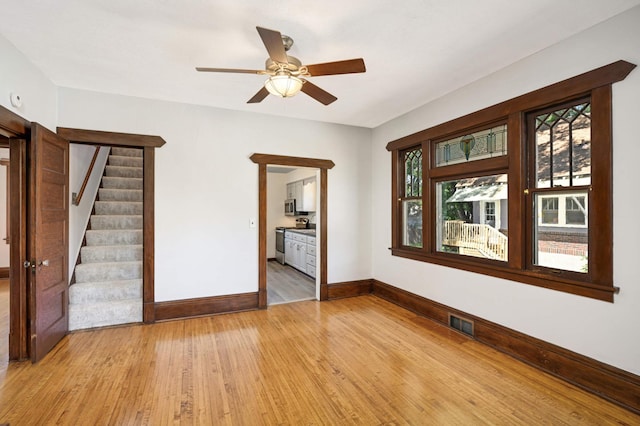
[290, 207]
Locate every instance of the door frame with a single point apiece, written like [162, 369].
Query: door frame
[280, 160]
[16, 130]
[148, 144]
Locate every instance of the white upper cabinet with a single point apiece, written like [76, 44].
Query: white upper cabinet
[304, 192]
[309, 195]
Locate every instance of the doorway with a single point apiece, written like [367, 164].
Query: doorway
[4, 253]
[15, 131]
[263, 160]
[291, 234]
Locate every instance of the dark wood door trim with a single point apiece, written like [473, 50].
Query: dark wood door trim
[263, 160]
[97, 137]
[18, 324]
[148, 144]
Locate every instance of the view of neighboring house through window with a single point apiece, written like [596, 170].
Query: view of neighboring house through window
[412, 198]
[466, 217]
[520, 190]
[466, 208]
[562, 149]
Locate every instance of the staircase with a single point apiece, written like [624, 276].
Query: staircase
[108, 279]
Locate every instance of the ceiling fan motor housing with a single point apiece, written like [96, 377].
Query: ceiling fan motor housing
[294, 65]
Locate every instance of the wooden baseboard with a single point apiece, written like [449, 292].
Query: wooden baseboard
[178, 309]
[4, 272]
[349, 289]
[611, 383]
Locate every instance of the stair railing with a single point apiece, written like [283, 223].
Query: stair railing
[76, 197]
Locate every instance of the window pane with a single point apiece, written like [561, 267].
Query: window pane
[413, 173]
[576, 211]
[412, 223]
[563, 147]
[463, 227]
[475, 146]
[549, 213]
[562, 243]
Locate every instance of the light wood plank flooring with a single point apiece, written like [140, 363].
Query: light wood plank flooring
[286, 284]
[4, 321]
[350, 361]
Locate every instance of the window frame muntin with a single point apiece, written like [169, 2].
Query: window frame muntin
[595, 83]
[401, 192]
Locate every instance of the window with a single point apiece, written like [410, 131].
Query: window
[507, 191]
[466, 217]
[412, 198]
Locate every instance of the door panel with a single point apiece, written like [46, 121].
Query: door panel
[48, 240]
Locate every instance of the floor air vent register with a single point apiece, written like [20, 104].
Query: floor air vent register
[461, 324]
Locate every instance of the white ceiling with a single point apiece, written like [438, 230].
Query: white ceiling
[415, 50]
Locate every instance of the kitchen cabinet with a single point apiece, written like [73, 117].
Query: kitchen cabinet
[309, 195]
[289, 249]
[304, 192]
[311, 256]
[295, 192]
[300, 252]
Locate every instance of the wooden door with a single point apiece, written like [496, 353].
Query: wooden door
[48, 240]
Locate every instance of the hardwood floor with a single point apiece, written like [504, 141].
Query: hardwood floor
[4, 321]
[286, 284]
[350, 361]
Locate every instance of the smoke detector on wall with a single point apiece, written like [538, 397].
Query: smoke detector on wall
[16, 100]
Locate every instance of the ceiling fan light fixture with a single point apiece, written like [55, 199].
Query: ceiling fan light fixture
[283, 85]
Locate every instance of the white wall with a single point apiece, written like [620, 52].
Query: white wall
[80, 157]
[207, 188]
[601, 330]
[38, 93]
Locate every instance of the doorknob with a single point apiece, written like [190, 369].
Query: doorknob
[44, 262]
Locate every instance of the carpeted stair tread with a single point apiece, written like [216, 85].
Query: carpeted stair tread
[118, 207]
[114, 182]
[108, 281]
[116, 222]
[100, 314]
[108, 194]
[105, 291]
[122, 161]
[110, 237]
[126, 152]
[114, 253]
[108, 271]
[118, 171]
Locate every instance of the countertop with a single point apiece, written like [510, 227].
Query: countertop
[303, 231]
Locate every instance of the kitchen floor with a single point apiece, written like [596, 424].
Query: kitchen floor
[286, 284]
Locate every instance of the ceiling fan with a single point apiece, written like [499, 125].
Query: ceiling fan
[287, 75]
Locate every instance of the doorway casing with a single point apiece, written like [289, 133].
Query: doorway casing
[16, 131]
[279, 160]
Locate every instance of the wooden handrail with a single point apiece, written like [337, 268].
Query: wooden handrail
[77, 197]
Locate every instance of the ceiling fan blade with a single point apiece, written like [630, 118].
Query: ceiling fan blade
[258, 97]
[317, 93]
[273, 42]
[349, 66]
[233, 70]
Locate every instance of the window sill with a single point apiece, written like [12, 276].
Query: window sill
[492, 268]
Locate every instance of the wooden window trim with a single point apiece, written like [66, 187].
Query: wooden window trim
[596, 84]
